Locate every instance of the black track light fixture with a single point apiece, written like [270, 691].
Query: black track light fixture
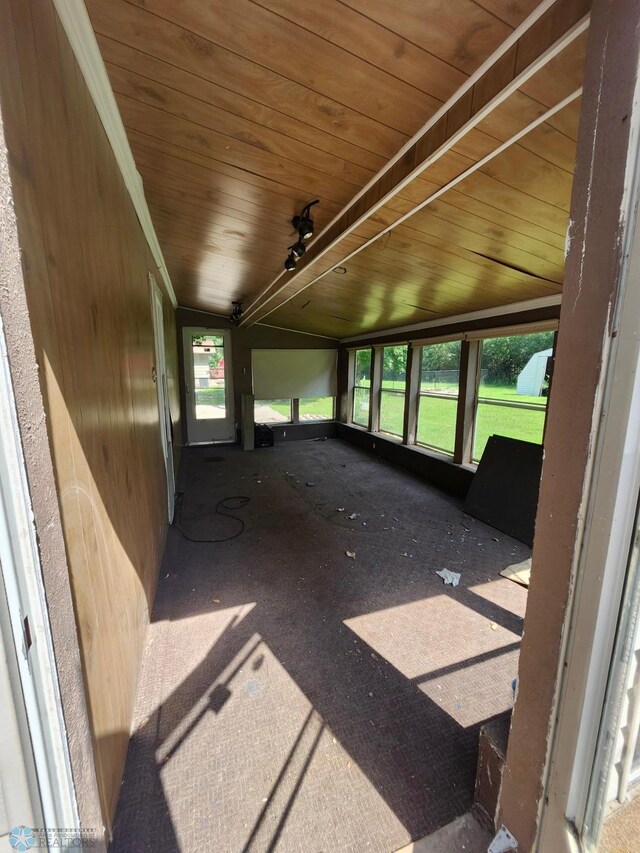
[298, 249]
[304, 226]
[236, 312]
[304, 223]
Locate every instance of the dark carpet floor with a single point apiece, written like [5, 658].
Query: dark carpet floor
[295, 698]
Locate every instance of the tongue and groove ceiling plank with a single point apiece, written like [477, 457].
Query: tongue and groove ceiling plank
[238, 114]
[544, 193]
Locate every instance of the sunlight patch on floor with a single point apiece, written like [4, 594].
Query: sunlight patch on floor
[434, 628]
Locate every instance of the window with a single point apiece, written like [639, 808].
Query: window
[361, 387]
[282, 411]
[438, 396]
[316, 409]
[513, 387]
[392, 392]
[272, 411]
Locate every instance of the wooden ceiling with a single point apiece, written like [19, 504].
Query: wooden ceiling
[240, 113]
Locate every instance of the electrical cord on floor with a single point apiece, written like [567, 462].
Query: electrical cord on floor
[240, 502]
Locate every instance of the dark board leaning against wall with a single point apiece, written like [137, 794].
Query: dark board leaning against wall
[504, 491]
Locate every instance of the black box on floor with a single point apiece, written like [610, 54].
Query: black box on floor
[264, 436]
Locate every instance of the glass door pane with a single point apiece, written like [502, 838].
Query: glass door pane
[209, 376]
[208, 385]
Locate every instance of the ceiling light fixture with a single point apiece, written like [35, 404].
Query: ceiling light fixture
[304, 223]
[304, 226]
[298, 249]
[236, 312]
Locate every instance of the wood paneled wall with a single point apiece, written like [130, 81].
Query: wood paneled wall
[86, 265]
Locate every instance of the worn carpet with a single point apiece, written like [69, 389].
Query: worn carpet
[312, 684]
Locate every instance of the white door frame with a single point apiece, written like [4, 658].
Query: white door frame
[162, 391]
[21, 575]
[208, 431]
[18, 778]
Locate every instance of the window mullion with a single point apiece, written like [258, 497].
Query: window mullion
[467, 401]
[412, 387]
[376, 387]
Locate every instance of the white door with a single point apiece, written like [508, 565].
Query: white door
[208, 385]
[163, 393]
[20, 810]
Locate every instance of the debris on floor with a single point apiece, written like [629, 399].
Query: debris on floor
[308, 628]
[449, 577]
[353, 515]
[310, 484]
[518, 572]
[503, 842]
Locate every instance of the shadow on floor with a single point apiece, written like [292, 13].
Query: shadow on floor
[293, 698]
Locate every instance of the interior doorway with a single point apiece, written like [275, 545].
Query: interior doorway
[163, 393]
[208, 385]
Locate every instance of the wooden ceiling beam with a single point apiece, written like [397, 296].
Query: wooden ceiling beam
[542, 37]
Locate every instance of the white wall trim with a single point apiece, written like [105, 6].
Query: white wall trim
[268, 325]
[203, 311]
[296, 331]
[77, 25]
[485, 313]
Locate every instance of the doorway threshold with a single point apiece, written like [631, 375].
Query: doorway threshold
[465, 833]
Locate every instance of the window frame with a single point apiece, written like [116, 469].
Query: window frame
[355, 386]
[486, 401]
[273, 423]
[380, 390]
[296, 401]
[440, 451]
[294, 412]
[468, 387]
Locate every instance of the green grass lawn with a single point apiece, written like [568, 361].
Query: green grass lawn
[310, 408]
[320, 408]
[210, 396]
[437, 417]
